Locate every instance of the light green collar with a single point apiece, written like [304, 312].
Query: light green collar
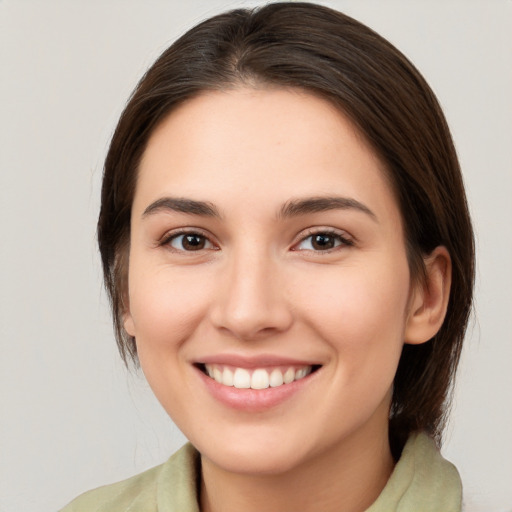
[421, 481]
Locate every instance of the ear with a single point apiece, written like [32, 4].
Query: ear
[429, 299]
[128, 324]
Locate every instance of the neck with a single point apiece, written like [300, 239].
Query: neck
[349, 477]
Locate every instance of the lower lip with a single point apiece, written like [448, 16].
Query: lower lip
[253, 400]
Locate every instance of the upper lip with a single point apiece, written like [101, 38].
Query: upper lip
[259, 361]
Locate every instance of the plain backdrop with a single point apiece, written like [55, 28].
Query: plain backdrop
[72, 417]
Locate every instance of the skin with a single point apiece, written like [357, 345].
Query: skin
[258, 286]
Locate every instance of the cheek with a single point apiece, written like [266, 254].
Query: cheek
[166, 307]
[361, 314]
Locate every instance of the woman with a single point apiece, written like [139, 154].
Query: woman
[287, 247]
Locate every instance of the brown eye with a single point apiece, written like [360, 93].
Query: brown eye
[322, 241]
[190, 242]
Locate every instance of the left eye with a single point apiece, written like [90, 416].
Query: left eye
[321, 242]
[190, 242]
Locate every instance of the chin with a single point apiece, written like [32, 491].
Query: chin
[255, 461]
[254, 456]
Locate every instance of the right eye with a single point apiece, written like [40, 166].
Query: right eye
[189, 242]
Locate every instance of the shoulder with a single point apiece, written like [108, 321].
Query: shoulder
[422, 480]
[173, 480]
[139, 489]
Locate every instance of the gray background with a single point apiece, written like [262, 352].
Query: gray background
[71, 416]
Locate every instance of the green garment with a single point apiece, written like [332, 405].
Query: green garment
[422, 481]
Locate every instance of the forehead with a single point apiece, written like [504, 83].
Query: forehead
[260, 145]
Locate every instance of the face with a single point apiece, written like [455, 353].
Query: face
[269, 287]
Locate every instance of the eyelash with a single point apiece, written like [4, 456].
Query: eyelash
[170, 237]
[336, 235]
[343, 240]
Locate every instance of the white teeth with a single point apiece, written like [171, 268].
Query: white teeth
[242, 379]
[217, 375]
[259, 379]
[300, 374]
[227, 377]
[276, 378]
[289, 376]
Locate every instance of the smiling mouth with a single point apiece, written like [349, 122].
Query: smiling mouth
[256, 378]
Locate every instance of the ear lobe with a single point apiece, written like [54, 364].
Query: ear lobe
[429, 299]
[128, 324]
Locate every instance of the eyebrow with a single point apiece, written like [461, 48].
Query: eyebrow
[182, 205]
[297, 207]
[292, 208]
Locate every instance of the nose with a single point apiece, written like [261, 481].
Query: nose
[251, 302]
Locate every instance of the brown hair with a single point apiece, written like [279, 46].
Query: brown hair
[314, 48]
